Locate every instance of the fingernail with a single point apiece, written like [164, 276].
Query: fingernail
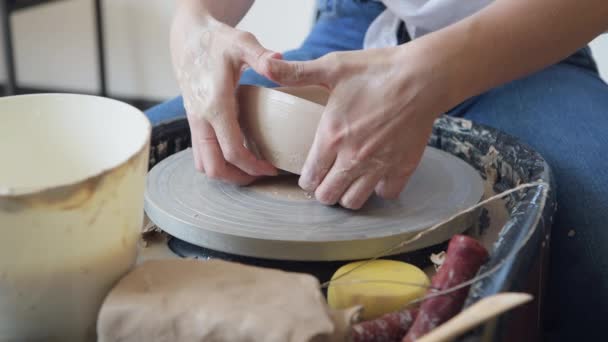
[349, 204]
[306, 183]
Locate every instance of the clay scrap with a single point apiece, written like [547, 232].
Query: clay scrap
[192, 300]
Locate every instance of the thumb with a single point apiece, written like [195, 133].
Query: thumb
[299, 73]
[254, 54]
[270, 64]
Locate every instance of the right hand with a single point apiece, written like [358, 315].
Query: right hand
[208, 61]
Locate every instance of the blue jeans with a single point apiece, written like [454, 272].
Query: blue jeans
[562, 112]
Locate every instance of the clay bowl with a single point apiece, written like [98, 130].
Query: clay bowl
[280, 123]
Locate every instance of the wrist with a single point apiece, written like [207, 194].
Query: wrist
[192, 14]
[426, 66]
[187, 28]
[446, 62]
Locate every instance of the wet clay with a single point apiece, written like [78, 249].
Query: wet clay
[283, 187]
[280, 124]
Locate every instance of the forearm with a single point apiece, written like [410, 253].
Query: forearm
[230, 12]
[512, 38]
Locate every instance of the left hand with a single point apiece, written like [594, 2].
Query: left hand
[376, 124]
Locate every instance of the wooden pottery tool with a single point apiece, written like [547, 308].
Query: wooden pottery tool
[482, 311]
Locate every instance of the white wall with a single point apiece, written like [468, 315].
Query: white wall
[55, 43]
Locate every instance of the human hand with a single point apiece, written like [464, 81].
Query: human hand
[208, 60]
[376, 124]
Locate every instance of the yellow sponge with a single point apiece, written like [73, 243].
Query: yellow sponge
[376, 286]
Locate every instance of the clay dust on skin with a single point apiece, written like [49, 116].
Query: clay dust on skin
[192, 73]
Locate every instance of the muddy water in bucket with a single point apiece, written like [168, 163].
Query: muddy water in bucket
[71, 206]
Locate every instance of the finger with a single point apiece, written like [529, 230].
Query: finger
[391, 186]
[196, 129]
[319, 160]
[226, 172]
[336, 182]
[254, 54]
[360, 191]
[300, 73]
[206, 150]
[215, 166]
[231, 141]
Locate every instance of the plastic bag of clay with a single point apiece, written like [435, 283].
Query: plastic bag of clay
[190, 300]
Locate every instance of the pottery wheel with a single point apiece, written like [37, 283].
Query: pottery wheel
[274, 221]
